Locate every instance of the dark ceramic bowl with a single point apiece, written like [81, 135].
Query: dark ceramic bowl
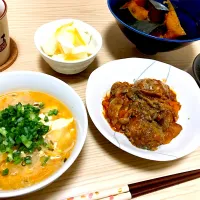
[188, 12]
[196, 69]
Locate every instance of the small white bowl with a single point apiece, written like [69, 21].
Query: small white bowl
[35, 81]
[66, 67]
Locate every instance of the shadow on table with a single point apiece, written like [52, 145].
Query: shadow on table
[63, 180]
[70, 79]
[120, 47]
[126, 158]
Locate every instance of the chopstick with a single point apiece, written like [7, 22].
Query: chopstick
[145, 187]
[130, 191]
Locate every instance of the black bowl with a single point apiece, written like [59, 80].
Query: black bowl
[189, 15]
[196, 69]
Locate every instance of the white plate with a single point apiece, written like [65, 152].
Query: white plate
[188, 94]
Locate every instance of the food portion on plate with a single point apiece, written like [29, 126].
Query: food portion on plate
[69, 42]
[154, 18]
[146, 112]
[37, 135]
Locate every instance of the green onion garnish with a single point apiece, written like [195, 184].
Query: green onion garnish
[44, 160]
[27, 160]
[5, 172]
[53, 112]
[41, 105]
[21, 129]
[46, 119]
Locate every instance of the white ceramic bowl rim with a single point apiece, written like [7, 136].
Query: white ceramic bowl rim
[70, 161]
[95, 34]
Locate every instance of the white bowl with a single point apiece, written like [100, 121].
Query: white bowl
[66, 67]
[136, 68]
[22, 80]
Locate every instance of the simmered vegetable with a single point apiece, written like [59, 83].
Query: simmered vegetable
[155, 18]
[136, 10]
[172, 23]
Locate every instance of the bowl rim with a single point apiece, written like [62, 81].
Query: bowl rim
[70, 161]
[145, 34]
[67, 20]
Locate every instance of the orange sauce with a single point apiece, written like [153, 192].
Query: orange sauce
[23, 176]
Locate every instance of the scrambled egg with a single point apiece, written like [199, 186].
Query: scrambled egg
[59, 134]
[56, 124]
[61, 123]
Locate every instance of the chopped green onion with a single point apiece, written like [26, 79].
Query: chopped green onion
[44, 160]
[21, 129]
[5, 142]
[46, 119]
[32, 116]
[11, 140]
[25, 141]
[3, 131]
[41, 105]
[50, 147]
[27, 160]
[5, 172]
[10, 157]
[17, 160]
[53, 112]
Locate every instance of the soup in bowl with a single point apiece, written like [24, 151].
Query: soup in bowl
[43, 126]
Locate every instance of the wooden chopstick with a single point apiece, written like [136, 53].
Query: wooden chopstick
[145, 187]
[140, 188]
